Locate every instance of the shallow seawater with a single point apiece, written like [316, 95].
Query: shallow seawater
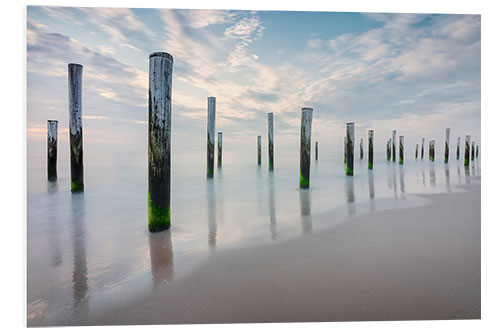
[92, 251]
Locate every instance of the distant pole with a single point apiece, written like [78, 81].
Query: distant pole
[401, 149]
[477, 151]
[394, 145]
[458, 148]
[159, 138]
[75, 72]
[305, 147]
[349, 169]
[422, 153]
[270, 139]
[259, 149]
[467, 150]
[472, 151]
[51, 150]
[219, 149]
[416, 151]
[370, 149]
[447, 146]
[361, 149]
[210, 136]
[316, 151]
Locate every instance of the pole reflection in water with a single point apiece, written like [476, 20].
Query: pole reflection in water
[162, 257]
[467, 174]
[53, 231]
[402, 181]
[272, 209]
[305, 211]
[349, 190]
[80, 283]
[372, 190]
[212, 222]
[473, 169]
[432, 175]
[394, 182]
[447, 177]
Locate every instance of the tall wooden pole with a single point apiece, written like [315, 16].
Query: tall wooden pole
[75, 72]
[370, 149]
[270, 139]
[52, 150]
[159, 138]
[305, 147]
[210, 136]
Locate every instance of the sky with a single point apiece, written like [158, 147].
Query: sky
[416, 73]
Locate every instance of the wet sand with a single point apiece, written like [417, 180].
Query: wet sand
[419, 263]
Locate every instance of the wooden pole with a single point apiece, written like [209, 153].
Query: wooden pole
[270, 139]
[305, 147]
[394, 145]
[259, 149]
[316, 150]
[401, 149]
[422, 153]
[52, 150]
[219, 149]
[458, 148]
[467, 150]
[159, 138]
[389, 149]
[416, 151]
[349, 170]
[210, 136]
[75, 72]
[361, 149]
[370, 149]
[472, 151]
[447, 146]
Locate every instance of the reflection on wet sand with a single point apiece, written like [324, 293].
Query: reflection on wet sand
[212, 221]
[402, 181]
[459, 175]
[349, 190]
[272, 209]
[80, 283]
[53, 231]
[162, 257]
[432, 176]
[467, 174]
[473, 169]
[447, 177]
[305, 211]
[372, 189]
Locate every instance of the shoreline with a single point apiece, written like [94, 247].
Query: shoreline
[419, 263]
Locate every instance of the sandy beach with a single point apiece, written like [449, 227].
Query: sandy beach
[419, 263]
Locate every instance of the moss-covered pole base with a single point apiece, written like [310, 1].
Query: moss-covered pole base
[467, 150]
[159, 138]
[447, 146]
[458, 148]
[75, 72]
[219, 149]
[401, 149]
[316, 151]
[422, 147]
[259, 150]
[52, 150]
[394, 145]
[305, 146]
[210, 136]
[270, 139]
[361, 149]
[472, 151]
[349, 167]
[370, 149]
[416, 151]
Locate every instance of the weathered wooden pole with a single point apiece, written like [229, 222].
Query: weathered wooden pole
[416, 151]
[316, 151]
[305, 146]
[401, 149]
[422, 153]
[345, 150]
[270, 139]
[370, 149]
[433, 146]
[447, 146]
[361, 149]
[467, 150]
[75, 72]
[477, 151]
[259, 149]
[219, 149]
[394, 145]
[458, 148]
[52, 150]
[389, 149]
[349, 169]
[472, 151]
[159, 138]
[210, 136]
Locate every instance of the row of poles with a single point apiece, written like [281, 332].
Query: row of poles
[159, 140]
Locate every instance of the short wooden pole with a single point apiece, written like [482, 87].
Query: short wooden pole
[52, 150]
[219, 149]
[349, 170]
[305, 147]
[75, 72]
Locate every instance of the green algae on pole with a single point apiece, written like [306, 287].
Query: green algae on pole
[401, 149]
[394, 145]
[349, 167]
[361, 149]
[305, 146]
[159, 138]
[270, 139]
[447, 146]
[422, 154]
[316, 150]
[210, 136]
[467, 150]
[370, 149]
[458, 148]
[219, 149]
[259, 149]
[52, 150]
[75, 72]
